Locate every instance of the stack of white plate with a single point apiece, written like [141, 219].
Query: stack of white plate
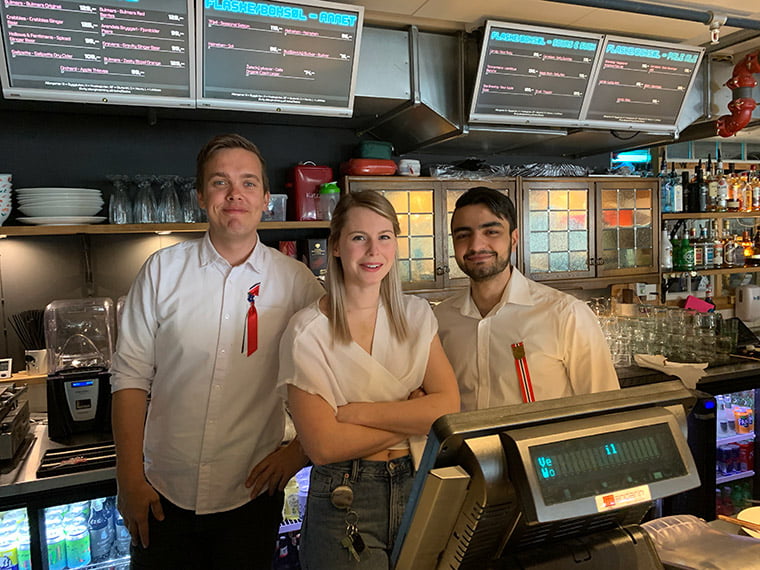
[59, 206]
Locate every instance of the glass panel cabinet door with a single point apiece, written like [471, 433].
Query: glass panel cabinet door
[558, 229]
[628, 227]
[414, 202]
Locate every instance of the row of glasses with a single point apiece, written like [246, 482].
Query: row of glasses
[149, 199]
[679, 335]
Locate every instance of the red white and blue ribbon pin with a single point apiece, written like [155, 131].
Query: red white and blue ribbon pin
[251, 328]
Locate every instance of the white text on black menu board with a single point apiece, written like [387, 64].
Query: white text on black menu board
[534, 74]
[278, 53]
[139, 48]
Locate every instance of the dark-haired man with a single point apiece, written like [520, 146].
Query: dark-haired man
[200, 333]
[510, 339]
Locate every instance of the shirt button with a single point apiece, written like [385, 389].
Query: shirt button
[227, 317]
[223, 351]
[218, 386]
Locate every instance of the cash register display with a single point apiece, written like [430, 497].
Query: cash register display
[585, 466]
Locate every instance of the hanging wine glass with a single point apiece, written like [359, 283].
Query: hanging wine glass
[168, 202]
[119, 205]
[145, 201]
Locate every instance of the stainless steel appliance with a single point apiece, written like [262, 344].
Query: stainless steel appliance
[14, 420]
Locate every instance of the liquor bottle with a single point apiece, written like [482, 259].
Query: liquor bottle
[666, 190]
[734, 191]
[718, 245]
[708, 248]
[666, 252]
[747, 244]
[701, 189]
[688, 186]
[696, 246]
[754, 181]
[722, 186]
[746, 186]
[712, 187]
[677, 184]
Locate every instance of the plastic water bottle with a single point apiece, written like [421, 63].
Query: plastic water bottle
[77, 537]
[8, 543]
[55, 538]
[123, 539]
[100, 535]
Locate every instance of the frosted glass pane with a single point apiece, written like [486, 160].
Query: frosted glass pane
[421, 247]
[644, 257]
[454, 271]
[578, 200]
[609, 199]
[578, 221]
[625, 237]
[403, 222]
[578, 241]
[610, 257]
[421, 224]
[627, 258]
[539, 262]
[558, 241]
[627, 199]
[558, 199]
[625, 218]
[643, 198]
[421, 201]
[422, 270]
[451, 199]
[403, 270]
[559, 261]
[539, 199]
[403, 247]
[399, 200]
[578, 261]
[558, 221]
[539, 221]
[539, 241]
[609, 239]
[642, 217]
[644, 237]
[609, 218]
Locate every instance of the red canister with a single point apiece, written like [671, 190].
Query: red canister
[302, 185]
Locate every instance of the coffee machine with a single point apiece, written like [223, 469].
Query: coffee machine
[79, 334]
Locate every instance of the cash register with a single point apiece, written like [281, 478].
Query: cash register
[548, 485]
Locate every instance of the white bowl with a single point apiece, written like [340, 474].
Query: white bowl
[56, 202]
[59, 195]
[57, 190]
[752, 514]
[59, 210]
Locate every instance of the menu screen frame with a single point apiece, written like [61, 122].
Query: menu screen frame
[93, 59]
[574, 48]
[642, 46]
[272, 100]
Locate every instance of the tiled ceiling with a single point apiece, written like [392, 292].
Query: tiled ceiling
[468, 14]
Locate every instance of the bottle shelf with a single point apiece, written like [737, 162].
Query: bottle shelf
[734, 438]
[715, 271]
[733, 477]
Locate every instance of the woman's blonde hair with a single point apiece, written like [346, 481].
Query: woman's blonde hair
[390, 288]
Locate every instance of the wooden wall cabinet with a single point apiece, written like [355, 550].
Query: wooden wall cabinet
[590, 228]
[424, 207]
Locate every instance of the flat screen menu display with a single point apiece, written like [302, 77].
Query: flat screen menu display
[641, 83]
[533, 75]
[138, 52]
[279, 56]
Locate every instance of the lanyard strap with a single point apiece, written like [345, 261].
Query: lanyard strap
[251, 327]
[523, 374]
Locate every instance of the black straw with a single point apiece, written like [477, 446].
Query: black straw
[29, 328]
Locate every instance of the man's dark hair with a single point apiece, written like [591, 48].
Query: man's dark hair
[223, 142]
[499, 203]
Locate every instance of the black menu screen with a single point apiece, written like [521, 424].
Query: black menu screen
[279, 56]
[532, 73]
[642, 82]
[130, 52]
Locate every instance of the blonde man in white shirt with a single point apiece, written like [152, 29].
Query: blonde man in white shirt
[510, 339]
[349, 366]
[200, 477]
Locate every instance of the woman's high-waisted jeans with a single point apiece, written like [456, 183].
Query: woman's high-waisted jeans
[381, 490]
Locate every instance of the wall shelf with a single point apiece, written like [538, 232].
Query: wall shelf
[101, 229]
[709, 215]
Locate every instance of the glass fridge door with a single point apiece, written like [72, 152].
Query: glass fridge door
[735, 439]
[14, 540]
[86, 534]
